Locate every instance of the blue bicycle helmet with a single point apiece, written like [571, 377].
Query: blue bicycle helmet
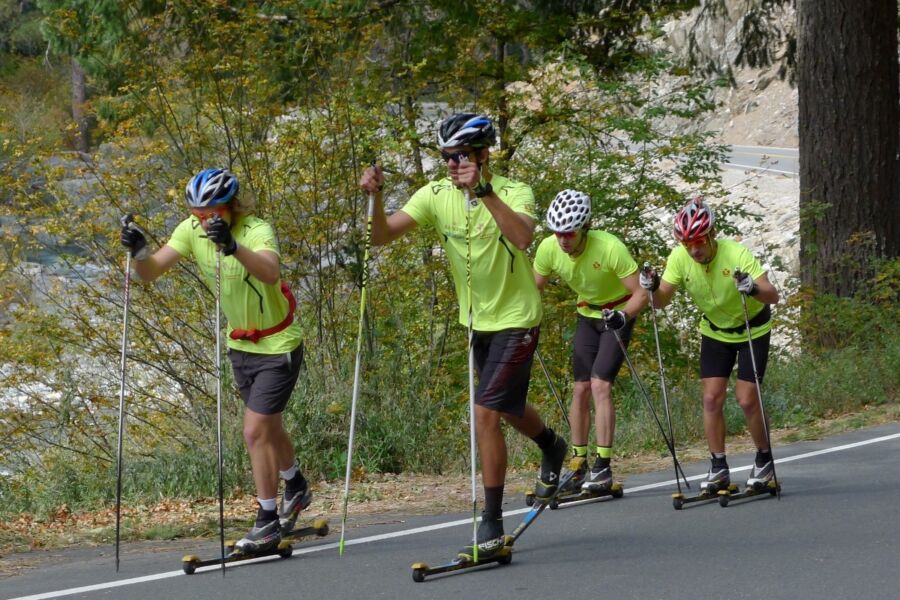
[211, 187]
[466, 129]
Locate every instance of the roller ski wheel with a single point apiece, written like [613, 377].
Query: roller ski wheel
[421, 570]
[529, 499]
[709, 494]
[189, 564]
[761, 489]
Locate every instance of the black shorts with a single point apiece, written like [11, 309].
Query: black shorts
[596, 353]
[266, 381]
[717, 358]
[503, 362]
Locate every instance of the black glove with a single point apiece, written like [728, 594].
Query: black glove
[615, 319]
[219, 232]
[648, 278]
[134, 239]
[744, 283]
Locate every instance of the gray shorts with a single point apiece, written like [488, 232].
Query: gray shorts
[266, 381]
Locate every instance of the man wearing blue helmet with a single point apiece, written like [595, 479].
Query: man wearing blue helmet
[264, 343]
[506, 305]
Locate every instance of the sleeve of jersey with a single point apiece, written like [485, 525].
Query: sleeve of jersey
[180, 241]
[749, 264]
[261, 236]
[623, 264]
[542, 258]
[419, 207]
[673, 273]
[521, 200]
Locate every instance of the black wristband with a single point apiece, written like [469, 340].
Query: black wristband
[754, 290]
[483, 189]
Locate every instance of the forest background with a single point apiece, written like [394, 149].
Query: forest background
[131, 98]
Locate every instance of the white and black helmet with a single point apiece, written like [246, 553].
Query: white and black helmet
[466, 129]
[569, 211]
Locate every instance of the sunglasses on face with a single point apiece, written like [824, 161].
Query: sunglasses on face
[699, 243]
[566, 235]
[456, 157]
[204, 214]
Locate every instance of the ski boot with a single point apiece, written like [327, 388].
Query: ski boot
[490, 539]
[263, 536]
[600, 479]
[578, 464]
[291, 504]
[718, 478]
[761, 476]
[551, 465]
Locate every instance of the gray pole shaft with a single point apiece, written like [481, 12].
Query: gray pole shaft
[126, 302]
[220, 458]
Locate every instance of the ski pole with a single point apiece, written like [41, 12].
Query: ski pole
[471, 203]
[552, 387]
[357, 366]
[662, 380]
[640, 384]
[126, 220]
[219, 404]
[762, 406]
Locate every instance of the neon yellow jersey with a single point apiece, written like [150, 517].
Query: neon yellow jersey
[712, 288]
[504, 294]
[246, 302]
[595, 275]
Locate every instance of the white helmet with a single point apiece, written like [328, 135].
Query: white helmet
[569, 211]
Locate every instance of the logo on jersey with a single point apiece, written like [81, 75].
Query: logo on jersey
[597, 266]
[726, 272]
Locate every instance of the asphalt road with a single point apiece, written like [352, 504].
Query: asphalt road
[835, 533]
[775, 161]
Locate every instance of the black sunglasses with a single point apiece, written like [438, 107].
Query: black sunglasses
[456, 157]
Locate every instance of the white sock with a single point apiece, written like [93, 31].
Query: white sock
[289, 474]
[269, 504]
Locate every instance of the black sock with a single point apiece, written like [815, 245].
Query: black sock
[763, 457]
[493, 502]
[294, 485]
[545, 439]
[264, 517]
[719, 462]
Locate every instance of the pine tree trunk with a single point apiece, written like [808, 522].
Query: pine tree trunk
[79, 97]
[849, 119]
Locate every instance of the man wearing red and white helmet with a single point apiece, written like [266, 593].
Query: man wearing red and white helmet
[715, 273]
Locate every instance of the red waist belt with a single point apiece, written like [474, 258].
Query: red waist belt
[254, 335]
[609, 305]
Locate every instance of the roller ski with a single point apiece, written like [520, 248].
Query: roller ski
[718, 480]
[584, 485]
[491, 548]
[762, 481]
[237, 552]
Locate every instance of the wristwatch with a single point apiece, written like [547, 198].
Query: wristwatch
[483, 189]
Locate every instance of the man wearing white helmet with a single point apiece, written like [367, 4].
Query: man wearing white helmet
[599, 268]
[264, 341]
[506, 305]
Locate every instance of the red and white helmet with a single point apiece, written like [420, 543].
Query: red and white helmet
[694, 221]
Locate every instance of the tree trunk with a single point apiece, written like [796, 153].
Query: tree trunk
[848, 126]
[79, 97]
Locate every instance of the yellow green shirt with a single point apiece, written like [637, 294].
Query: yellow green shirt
[595, 275]
[246, 302]
[504, 294]
[712, 288]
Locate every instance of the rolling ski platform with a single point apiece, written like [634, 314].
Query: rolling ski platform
[285, 548]
[421, 570]
[709, 494]
[726, 496]
[615, 490]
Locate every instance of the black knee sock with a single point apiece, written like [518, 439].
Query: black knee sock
[545, 439]
[493, 502]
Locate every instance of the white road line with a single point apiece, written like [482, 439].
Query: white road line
[417, 530]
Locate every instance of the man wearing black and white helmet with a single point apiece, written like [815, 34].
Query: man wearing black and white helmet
[506, 305]
[599, 268]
